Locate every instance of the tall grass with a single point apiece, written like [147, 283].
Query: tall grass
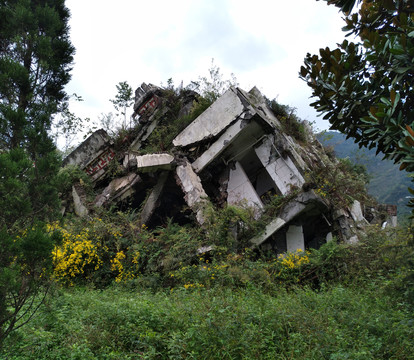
[332, 323]
[343, 302]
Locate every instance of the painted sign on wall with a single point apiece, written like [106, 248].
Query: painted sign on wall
[102, 161]
[151, 104]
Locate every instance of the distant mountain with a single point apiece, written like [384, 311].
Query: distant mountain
[388, 184]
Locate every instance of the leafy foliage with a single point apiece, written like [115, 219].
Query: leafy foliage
[336, 322]
[123, 99]
[212, 86]
[292, 125]
[365, 89]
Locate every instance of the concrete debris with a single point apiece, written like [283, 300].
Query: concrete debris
[78, 201]
[93, 155]
[118, 189]
[194, 194]
[235, 152]
[149, 162]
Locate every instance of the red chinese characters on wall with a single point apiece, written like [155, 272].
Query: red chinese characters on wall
[150, 105]
[101, 162]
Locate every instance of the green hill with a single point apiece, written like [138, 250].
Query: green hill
[388, 184]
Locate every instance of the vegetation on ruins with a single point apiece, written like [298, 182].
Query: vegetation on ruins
[107, 286]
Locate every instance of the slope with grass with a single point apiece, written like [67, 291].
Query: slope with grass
[341, 302]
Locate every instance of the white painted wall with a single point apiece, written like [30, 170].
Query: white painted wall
[294, 238]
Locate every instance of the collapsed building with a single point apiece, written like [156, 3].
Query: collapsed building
[234, 153]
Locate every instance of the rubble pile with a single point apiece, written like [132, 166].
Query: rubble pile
[234, 153]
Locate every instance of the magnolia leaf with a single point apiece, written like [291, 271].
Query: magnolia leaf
[403, 166]
[409, 141]
[392, 96]
[411, 131]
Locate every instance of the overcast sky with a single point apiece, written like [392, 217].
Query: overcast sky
[262, 42]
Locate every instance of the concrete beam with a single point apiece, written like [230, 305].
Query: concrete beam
[220, 145]
[149, 162]
[270, 229]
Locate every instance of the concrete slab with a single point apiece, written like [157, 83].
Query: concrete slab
[117, 190]
[270, 229]
[220, 145]
[282, 170]
[300, 204]
[88, 150]
[213, 121]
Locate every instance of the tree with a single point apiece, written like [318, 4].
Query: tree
[123, 100]
[35, 63]
[25, 268]
[35, 60]
[365, 88]
[213, 86]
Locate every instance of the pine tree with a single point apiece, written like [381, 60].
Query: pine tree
[35, 62]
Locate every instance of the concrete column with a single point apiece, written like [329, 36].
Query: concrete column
[295, 239]
[240, 189]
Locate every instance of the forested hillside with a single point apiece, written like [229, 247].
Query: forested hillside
[387, 183]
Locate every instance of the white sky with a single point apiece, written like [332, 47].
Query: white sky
[263, 42]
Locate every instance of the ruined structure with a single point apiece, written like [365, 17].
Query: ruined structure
[235, 153]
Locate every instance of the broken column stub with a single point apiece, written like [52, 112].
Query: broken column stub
[190, 183]
[295, 240]
[149, 162]
[118, 189]
[78, 201]
[356, 213]
[344, 226]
